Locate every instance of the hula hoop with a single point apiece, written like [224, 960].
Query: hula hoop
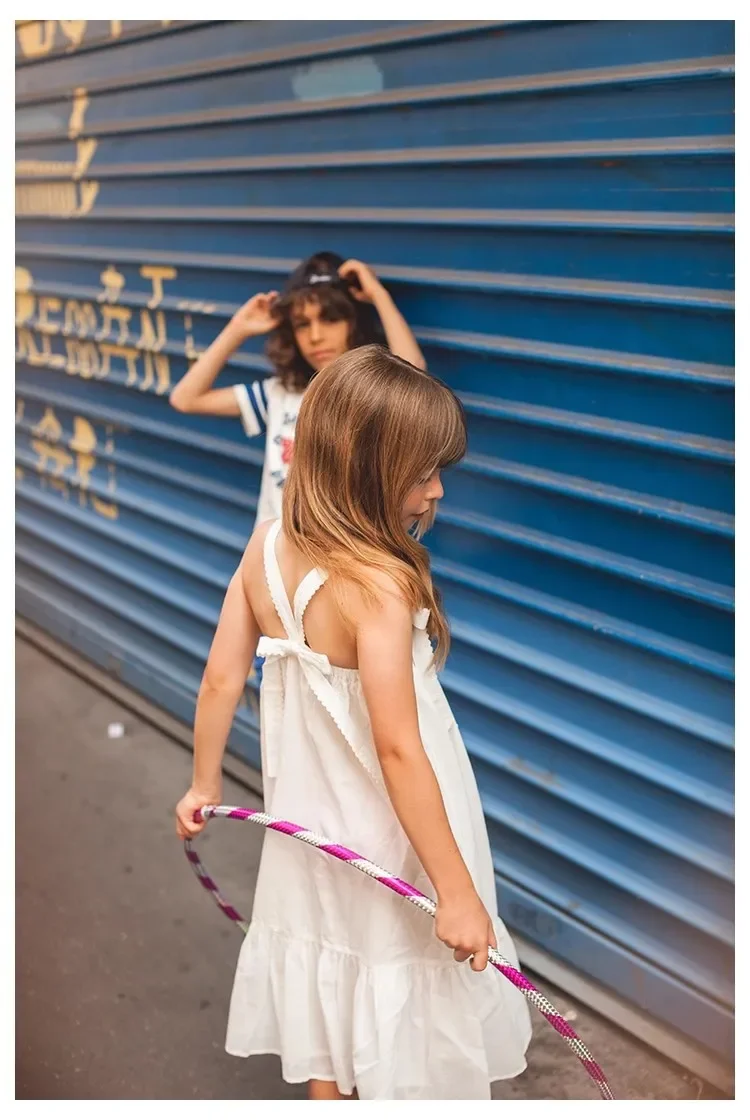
[412, 895]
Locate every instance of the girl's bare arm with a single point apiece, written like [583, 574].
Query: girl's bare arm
[195, 392]
[398, 333]
[384, 651]
[224, 679]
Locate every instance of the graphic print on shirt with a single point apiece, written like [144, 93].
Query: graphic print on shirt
[265, 406]
[287, 451]
[283, 442]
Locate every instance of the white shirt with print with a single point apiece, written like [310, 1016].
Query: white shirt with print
[266, 406]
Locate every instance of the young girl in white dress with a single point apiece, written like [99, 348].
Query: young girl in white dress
[359, 993]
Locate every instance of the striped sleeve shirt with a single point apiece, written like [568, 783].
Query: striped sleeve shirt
[267, 407]
[253, 404]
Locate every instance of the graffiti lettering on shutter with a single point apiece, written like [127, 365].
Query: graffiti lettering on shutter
[38, 37]
[96, 339]
[68, 463]
[65, 193]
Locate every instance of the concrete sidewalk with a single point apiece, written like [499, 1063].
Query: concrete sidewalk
[124, 966]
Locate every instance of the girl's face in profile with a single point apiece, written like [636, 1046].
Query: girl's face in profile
[422, 498]
[319, 339]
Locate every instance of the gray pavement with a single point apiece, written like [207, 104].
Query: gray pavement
[124, 966]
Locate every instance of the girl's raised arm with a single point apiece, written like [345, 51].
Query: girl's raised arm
[400, 337]
[384, 651]
[224, 679]
[194, 392]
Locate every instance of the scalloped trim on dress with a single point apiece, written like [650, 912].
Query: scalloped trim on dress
[303, 596]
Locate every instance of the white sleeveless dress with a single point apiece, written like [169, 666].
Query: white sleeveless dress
[341, 978]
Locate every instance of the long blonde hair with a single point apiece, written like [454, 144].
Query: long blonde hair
[370, 428]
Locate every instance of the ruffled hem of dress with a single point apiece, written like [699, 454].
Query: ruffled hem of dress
[346, 1090]
[412, 1030]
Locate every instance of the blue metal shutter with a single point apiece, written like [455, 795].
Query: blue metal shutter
[551, 204]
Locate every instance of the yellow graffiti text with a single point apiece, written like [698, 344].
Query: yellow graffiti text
[80, 318]
[28, 351]
[156, 373]
[49, 426]
[157, 274]
[105, 509]
[198, 305]
[76, 168]
[152, 338]
[78, 112]
[95, 337]
[55, 456]
[56, 200]
[89, 358]
[49, 305]
[37, 37]
[25, 301]
[113, 284]
[74, 30]
[115, 314]
[191, 352]
[82, 359]
[49, 453]
[129, 354]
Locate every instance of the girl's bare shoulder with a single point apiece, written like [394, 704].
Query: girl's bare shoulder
[252, 559]
[373, 593]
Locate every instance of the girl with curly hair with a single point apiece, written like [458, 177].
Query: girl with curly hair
[328, 306]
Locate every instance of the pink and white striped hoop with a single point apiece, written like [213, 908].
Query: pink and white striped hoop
[412, 895]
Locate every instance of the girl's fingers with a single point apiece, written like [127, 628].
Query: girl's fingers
[352, 266]
[479, 960]
[460, 956]
[186, 829]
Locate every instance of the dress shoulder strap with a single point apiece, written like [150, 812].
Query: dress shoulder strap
[275, 583]
[307, 588]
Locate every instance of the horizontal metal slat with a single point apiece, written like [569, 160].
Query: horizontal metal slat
[652, 575]
[662, 257]
[98, 590]
[588, 78]
[546, 286]
[609, 804]
[223, 62]
[585, 739]
[664, 997]
[101, 555]
[645, 505]
[193, 565]
[158, 509]
[640, 637]
[624, 695]
[671, 902]
[142, 422]
[711, 978]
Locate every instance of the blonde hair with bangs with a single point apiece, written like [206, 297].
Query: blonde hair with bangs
[371, 427]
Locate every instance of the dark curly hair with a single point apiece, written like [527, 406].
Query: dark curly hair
[317, 281]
